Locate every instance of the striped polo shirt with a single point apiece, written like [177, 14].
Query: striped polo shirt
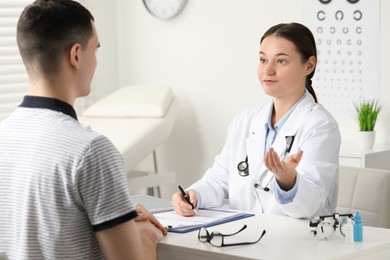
[59, 183]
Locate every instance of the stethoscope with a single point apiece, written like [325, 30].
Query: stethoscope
[243, 167]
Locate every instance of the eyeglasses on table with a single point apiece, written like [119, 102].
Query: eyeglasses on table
[217, 239]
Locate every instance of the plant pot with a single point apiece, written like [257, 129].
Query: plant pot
[366, 139]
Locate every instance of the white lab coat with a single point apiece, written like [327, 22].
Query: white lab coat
[316, 133]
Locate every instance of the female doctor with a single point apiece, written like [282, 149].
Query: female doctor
[283, 158]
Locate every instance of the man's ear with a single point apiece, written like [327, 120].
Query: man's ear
[74, 53]
[311, 64]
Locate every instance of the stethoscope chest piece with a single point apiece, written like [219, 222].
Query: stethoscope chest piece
[243, 168]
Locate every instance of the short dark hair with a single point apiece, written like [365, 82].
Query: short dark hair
[304, 41]
[48, 28]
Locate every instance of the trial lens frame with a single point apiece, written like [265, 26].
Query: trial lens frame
[205, 237]
[325, 226]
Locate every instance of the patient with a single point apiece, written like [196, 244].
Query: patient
[63, 189]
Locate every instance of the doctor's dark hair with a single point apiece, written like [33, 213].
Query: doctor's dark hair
[304, 41]
[47, 29]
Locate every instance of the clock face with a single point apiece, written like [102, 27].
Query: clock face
[164, 9]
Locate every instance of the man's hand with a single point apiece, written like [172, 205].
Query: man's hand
[145, 215]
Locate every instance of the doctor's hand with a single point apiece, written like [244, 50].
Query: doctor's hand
[181, 206]
[284, 171]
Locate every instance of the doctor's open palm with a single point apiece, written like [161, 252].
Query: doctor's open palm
[284, 170]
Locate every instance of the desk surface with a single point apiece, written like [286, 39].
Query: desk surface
[286, 238]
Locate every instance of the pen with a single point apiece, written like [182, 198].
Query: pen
[185, 195]
[289, 143]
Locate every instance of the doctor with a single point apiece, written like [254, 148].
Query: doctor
[283, 158]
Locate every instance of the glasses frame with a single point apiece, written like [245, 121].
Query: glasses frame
[209, 237]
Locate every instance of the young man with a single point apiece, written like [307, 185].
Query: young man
[63, 191]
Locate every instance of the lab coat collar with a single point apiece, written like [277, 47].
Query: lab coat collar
[296, 118]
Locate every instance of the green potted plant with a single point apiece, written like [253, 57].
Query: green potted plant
[367, 113]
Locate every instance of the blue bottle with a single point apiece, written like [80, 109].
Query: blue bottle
[357, 228]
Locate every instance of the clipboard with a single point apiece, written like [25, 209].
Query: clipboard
[205, 218]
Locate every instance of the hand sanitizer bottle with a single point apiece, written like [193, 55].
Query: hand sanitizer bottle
[358, 228]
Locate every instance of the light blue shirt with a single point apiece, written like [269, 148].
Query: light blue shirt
[282, 196]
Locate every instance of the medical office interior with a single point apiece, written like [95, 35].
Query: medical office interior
[208, 56]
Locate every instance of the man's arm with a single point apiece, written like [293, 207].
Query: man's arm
[130, 240]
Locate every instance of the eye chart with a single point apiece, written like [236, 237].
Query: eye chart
[347, 35]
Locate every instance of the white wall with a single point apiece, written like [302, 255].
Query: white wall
[208, 55]
[106, 78]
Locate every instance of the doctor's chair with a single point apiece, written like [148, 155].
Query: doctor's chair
[367, 191]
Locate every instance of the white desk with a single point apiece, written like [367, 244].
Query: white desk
[286, 238]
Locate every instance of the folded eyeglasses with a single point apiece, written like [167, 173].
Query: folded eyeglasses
[217, 239]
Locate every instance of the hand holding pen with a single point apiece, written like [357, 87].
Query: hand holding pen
[186, 197]
[184, 203]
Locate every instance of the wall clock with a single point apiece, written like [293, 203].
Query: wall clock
[165, 9]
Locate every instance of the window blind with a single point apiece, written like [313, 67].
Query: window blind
[13, 75]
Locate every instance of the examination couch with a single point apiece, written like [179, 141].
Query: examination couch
[137, 120]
